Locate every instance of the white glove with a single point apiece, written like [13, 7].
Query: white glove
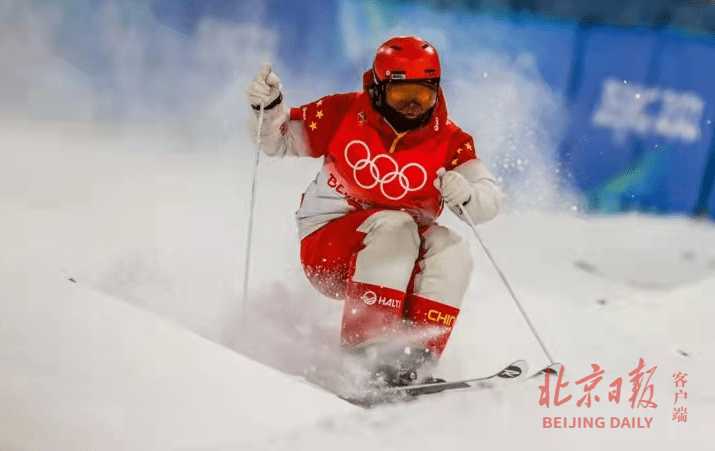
[456, 190]
[265, 87]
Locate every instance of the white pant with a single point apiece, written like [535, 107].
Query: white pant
[393, 246]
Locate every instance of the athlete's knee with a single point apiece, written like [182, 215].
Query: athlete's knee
[449, 248]
[446, 266]
[457, 251]
[391, 221]
[396, 230]
[390, 249]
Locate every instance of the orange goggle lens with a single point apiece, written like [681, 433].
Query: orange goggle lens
[426, 96]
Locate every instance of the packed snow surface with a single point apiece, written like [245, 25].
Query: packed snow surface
[148, 350]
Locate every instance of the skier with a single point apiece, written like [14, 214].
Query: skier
[367, 223]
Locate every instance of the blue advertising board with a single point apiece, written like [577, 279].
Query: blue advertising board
[640, 135]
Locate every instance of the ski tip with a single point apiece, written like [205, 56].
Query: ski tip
[514, 370]
[551, 370]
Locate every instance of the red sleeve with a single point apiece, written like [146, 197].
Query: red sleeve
[461, 150]
[321, 120]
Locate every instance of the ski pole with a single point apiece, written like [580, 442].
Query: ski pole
[463, 212]
[249, 237]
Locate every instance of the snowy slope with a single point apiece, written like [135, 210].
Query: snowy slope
[156, 217]
[82, 369]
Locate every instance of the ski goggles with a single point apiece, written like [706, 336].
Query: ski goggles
[424, 95]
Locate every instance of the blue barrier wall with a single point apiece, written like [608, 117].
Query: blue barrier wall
[641, 133]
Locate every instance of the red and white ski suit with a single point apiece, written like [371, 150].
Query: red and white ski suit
[367, 222]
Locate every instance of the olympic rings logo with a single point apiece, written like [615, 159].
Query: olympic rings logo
[394, 173]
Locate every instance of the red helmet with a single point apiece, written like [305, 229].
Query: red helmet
[406, 58]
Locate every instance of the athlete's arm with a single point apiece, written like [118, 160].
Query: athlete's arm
[486, 196]
[467, 182]
[305, 131]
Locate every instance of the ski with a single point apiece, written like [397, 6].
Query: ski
[552, 369]
[513, 372]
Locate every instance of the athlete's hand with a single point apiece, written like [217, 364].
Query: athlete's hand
[456, 190]
[265, 87]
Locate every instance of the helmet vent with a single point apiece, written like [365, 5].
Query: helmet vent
[396, 47]
[424, 46]
[430, 71]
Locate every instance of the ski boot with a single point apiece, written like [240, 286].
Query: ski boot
[404, 367]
